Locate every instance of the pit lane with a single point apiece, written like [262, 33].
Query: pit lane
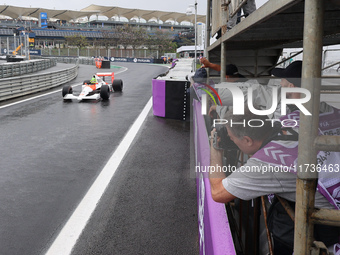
[52, 151]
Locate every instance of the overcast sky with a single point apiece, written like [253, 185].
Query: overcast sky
[77, 5]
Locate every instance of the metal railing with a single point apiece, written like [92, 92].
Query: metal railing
[16, 87]
[100, 51]
[68, 60]
[11, 69]
[73, 60]
[81, 61]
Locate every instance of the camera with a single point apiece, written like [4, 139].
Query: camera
[225, 142]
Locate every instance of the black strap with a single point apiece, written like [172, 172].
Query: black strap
[292, 107]
[278, 135]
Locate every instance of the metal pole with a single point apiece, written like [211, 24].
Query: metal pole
[207, 29]
[324, 58]
[311, 74]
[223, 62]
[20, 43]
[208, 32]
[224, 17]
[26, 46]
[195, 36]
[15, 43]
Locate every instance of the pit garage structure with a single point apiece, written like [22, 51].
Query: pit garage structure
[255, 46]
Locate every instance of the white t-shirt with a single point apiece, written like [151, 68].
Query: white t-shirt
[250, 182]
[270, 169]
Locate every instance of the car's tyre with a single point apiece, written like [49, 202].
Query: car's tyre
[117, 85]
[67, 90]
[86, 82]
[105, 92]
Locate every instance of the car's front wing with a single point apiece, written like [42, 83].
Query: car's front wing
[81, 97]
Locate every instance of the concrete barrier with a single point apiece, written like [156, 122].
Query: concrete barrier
[20, 86]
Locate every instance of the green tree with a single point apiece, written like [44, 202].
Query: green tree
[78, 41]
[138, 38]
[162, 41]
[110, 39]
[125, 35]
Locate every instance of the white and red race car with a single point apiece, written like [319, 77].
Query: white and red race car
[94, 90]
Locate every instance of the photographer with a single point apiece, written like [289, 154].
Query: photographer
[270, 170]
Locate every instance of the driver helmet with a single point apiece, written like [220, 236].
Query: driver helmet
[93, 78]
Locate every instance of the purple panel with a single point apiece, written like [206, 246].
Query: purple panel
[158, 97]
[214, 231]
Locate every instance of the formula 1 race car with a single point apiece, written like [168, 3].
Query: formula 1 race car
[95, 88]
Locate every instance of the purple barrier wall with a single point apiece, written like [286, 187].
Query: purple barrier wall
[170, 98]
[158, 97]
[214, 232]
[173, 64]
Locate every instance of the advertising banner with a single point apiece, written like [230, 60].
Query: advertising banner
[133, 60]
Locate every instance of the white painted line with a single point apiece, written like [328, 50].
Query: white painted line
[73, 228]
[121, 71]
[46, 94]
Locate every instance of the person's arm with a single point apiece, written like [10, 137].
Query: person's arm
[218, 192]
[212, 111]
[206, 64]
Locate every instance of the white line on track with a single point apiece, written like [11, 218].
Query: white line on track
[49, 93]
[73, 228]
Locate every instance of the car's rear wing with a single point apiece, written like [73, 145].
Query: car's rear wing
[107, 74]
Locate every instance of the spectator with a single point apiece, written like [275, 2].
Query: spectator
[247, 185]
[262, 94]
[239, 16]
[248, 8]
[255, 178]
[232, 74]
[290, 76]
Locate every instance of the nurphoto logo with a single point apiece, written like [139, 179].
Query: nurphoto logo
[238, 96]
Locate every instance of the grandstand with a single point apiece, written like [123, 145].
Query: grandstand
[63, 23]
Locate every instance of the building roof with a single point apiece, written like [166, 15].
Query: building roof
[17, 12]
[189, 48]
[108, 11]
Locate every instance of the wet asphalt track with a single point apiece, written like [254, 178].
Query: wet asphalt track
[52, 151]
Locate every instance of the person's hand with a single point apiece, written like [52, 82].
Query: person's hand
[211, 137]
[212, 134]
[212, 111]
[214, 151]
[205, 62]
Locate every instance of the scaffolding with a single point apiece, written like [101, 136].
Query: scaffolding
[261, 37]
